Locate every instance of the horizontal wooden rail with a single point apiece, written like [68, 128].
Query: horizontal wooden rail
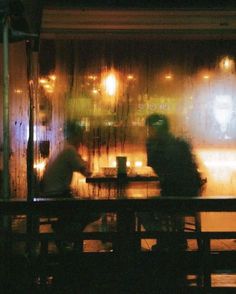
[126, 237]
[160, 204]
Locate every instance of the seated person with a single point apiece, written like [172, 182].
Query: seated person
[58, 174]
[172, 160]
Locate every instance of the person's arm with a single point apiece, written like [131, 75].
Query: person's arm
[77, 163]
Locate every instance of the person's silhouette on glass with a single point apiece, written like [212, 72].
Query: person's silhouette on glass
[172, 160]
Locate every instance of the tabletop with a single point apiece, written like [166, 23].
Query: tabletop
[121, 179]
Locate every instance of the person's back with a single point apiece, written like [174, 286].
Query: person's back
[172, 160]
[59, 171]
[57, 180]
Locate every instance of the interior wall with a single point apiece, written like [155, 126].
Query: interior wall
[18, 118]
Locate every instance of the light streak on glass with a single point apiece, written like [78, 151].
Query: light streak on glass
[110, 84]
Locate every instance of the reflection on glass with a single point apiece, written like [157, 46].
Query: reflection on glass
[114, 85]
[222, 108]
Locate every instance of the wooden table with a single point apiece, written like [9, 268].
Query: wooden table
[120, 182]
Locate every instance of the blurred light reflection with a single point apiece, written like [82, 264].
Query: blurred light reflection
[110, 83]
[219, 163]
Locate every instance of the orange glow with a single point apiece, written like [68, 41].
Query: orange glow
[52, 77]
[48, 83]
[168, 77]
[220, 163]
[42, 81]
[227, 64]
[110, 83]
[113, 163]
[95, 91]
[130, 77]
[49, 90]
[206, 77]
[40, 167]
[18, 91]
[138, 164]
[92, 77]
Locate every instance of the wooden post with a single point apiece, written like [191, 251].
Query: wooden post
[6, 141]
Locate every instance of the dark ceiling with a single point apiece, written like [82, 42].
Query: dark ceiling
[159, 4]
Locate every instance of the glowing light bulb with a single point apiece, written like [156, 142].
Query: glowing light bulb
[110, 84]
[138, 164]
[206, 77]
[168, 77]
[130, 77]
[40, 166]
[227, 64]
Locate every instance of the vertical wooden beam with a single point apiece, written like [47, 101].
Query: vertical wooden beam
[32, 77]
[6, 136]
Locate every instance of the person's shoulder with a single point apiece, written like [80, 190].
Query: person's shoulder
[69, 148]
[180, 145]
[182, 142]
[69, 151]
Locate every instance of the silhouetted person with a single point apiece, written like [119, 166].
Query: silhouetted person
[59, 170]
[172, 160]
[58, 176]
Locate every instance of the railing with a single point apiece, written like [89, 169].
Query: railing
[131, 267]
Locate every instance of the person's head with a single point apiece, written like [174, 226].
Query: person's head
[158, 125]
[73, 132]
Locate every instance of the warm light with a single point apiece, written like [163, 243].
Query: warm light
[49, 90]
[40, 166]
[168, 77]
[227, 64]
[95, 91]
[221, 164]
[48, 83]
[42, 81]
[82, 180]
[130, 77]
[109, 123]
[92, 77]
[138, 164]
[113, 163]
[110, 84]
[18, 91]
[52, 77]
[206, 77]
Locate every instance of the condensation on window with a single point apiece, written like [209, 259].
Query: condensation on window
[110, 87]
